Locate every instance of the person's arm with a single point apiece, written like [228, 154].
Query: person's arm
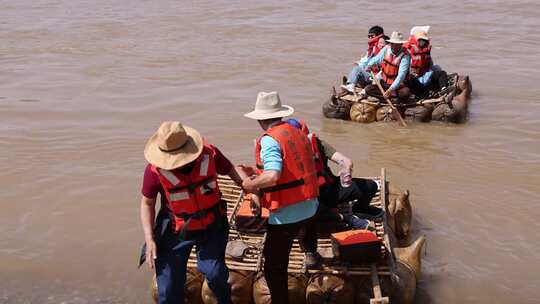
[272, 165]
[335, 156]
[402, 73]
[225, 167]
[148, 213]
[266, 179]
[237, 176]
[343, 160]
[362, 63]
[377, 59]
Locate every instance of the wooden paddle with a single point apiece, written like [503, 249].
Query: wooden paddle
[388, 100]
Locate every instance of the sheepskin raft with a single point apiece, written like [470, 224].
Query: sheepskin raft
[450, 104]
[249, 265]
[333, 283]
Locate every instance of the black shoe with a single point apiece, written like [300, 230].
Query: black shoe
[355, 222]
[312, 260]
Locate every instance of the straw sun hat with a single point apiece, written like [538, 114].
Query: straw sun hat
[267, 106]
[173, 146]
[396, 37]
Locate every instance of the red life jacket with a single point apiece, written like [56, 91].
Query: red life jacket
[193, 198]
[298, 180]
[373, 46]
[420, 57]
[323, 175]
[373, 49]
[390, 65]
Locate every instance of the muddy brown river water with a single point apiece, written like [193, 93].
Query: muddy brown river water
[83, 84]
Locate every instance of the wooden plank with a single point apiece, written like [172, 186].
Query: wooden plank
[384, 199]
[377, 294]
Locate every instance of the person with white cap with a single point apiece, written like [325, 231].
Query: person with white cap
[183, 169]
[394, 61]
[286, 181]
[422, 70]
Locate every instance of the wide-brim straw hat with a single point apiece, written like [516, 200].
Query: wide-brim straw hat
[396, 37]
[173, 146]
[268, 106]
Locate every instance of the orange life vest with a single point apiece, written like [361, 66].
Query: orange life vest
[298, 180]
[321, 167]
[194, 199]
[420, 57]
[390, 65]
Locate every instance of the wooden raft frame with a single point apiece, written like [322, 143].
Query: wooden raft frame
[252, 260]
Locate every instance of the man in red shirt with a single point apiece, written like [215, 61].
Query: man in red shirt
[183, 169]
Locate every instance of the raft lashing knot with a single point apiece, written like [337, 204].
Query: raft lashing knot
[333, 282]
[448, 104]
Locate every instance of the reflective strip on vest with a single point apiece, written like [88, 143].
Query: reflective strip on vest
[169, 176]
[204, 165]
[179, 196]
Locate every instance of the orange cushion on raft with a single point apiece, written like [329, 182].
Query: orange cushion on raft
[248, 222]
[356, 246]
[245, 208]
[354, 237]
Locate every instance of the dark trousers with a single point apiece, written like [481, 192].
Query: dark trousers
[333, 194]
[279, 240]
[439, 79]
[361, 190]
[373, 89]
[172, 256]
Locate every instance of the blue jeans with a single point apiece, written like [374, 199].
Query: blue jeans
[358, 75]
[172, 256]
[425, 79]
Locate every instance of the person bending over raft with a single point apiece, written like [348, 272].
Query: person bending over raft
[358, 75]
[422, 70]
[394, 60]
[287, 183]
[333, 193]
[183, 169]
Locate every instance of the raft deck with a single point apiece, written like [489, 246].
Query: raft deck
[253, 258]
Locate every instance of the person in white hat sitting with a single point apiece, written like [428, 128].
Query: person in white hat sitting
[286, 181]
[422, 69]
[394, 61]
[183, 169]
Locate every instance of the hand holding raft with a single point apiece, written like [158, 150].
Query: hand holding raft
[388, 100]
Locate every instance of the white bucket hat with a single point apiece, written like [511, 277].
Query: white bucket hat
[267, 106]
[396, 37]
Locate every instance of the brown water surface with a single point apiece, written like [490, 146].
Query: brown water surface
[83, 84]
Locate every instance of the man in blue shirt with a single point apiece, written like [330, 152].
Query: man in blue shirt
[287, 184]
[394, 60]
